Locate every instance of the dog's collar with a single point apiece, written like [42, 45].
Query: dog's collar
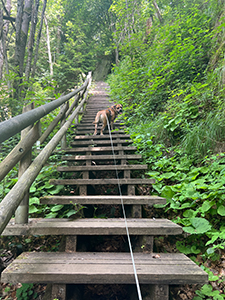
[109, 112]
[115, 111]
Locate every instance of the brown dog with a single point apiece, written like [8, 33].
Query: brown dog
[110, 114]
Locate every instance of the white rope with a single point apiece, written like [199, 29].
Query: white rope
[125, 218]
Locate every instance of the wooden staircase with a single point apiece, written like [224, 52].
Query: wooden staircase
[89, 158]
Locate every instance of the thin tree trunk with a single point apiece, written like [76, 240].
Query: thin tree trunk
[34, 18]
[158, 11]
[117, 56]
[24, 32]
[148, 26]
[7, 9]
[4, 28]
[17, 81]
[38, 39]
[1, 44]
[22, 26]
[49, 48]
[58, 37]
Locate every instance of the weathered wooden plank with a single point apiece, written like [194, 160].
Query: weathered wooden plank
[115, 226]
[100, 149]
[100, 142]
[89, 122]
[102, 157]
[98, 137]
[101, 181]
[91, 126]
[103, 268]
[110, 200]
[102, 168]
[90, 131]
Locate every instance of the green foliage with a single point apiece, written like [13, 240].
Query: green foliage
[194, 193]
[41, 187]
[25, 292]
[207, 291]
[86, 38]
[164, 80]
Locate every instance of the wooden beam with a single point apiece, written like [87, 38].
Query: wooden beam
[103, 268]
[101, 199]
[102, 168]
[93, 227]
[19, 151]
[101, 181]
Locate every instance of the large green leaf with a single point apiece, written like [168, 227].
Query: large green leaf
[221, 210]
[199, 226]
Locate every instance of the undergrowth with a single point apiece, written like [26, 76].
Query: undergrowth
[195, 193]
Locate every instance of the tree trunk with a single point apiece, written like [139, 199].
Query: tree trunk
[24, 32]
[58, 37]
[158, 11]
[34, 18]
[49, 48]
[38, 39]
[1, 45]
[17, 81]
[22, 26]
[4, 28]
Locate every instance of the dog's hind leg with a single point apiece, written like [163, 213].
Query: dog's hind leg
[96, 124]
[103, 126]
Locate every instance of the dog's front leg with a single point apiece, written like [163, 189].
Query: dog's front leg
[111, 123]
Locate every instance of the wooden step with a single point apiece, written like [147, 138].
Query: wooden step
[91, 131]
[94, 226]
[98, 106]
[91, 126]
[103, 199]
[99, 149]
[100, 99]
[95, 142]
[102, 157]
[103, 268]
[101, 137]
[102, 181]
[90, 120]
[101, 168]
[86, 121]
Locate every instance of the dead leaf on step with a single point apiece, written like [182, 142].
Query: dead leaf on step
[156, 256]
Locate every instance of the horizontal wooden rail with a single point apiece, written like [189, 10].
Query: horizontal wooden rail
[16, 194]
[12, 126]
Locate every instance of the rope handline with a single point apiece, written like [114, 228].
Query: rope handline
[124, 216]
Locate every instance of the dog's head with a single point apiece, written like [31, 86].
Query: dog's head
[118, 108]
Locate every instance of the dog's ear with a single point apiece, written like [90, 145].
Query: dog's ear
[114, 106]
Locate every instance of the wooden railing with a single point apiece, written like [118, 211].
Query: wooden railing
[17, 200]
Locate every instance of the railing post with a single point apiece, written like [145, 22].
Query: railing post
[22, 211]
[63, 120]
